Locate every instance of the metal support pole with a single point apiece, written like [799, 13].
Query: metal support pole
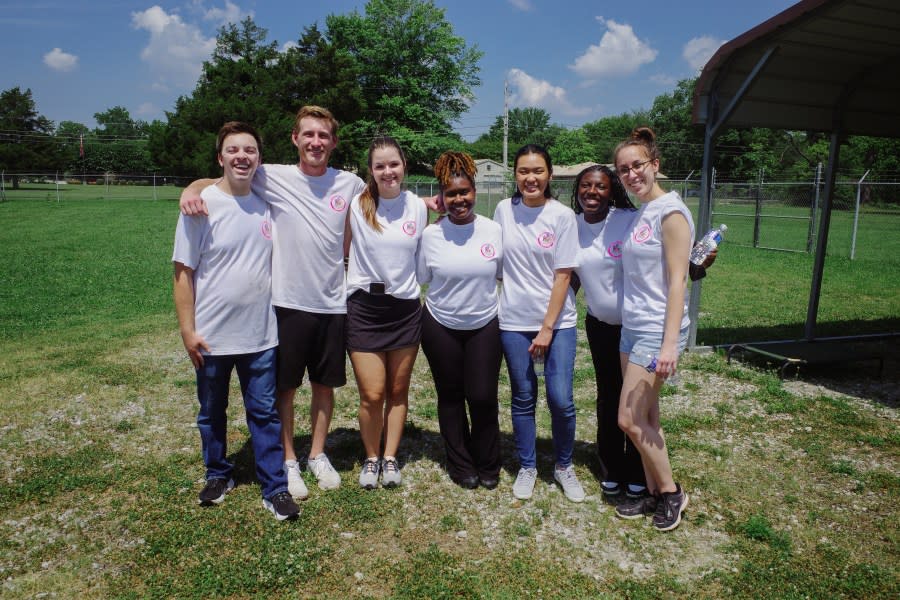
[815, 291]
[684, 185]
[56, 182]
[856, 215]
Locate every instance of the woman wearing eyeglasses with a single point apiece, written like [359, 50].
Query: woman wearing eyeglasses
[655, 259]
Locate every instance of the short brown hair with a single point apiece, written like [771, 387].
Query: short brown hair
[316, 112]
[232, 127]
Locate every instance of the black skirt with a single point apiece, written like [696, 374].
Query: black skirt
[381, 322]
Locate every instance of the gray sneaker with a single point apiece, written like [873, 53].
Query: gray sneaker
[390, 473]
[368, 475]
[523, 488]
[569, 483]
[326, 475]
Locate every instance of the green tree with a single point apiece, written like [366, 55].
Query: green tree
[26, 142]
[573, 147]
[116, 123]
[415, 74]
[680, 143]
[606, 133]
[248, 79]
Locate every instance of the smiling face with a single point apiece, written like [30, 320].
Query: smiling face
[459, 199]
[314, 141]
[637, 171]
[239, 159]
[594, 191]
[387, 169]
[532, 178]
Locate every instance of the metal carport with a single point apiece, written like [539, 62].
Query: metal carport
[821, 65]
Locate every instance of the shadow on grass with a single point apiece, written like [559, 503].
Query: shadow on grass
[345, 451]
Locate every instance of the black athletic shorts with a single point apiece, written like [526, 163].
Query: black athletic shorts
[311, 342]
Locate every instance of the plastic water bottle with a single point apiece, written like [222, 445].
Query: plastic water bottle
[538, 362]
[648, 359]
[709, 243]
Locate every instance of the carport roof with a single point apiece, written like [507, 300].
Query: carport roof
[831, 58]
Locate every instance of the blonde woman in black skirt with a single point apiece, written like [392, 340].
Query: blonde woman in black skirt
[383, 310]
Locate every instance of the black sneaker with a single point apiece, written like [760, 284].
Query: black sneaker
[282, 506]
[635, 508]
[610, 488]
[669, 509]
[633, 490]
[214, 491]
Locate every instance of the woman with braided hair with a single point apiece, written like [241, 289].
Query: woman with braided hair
[460, 258]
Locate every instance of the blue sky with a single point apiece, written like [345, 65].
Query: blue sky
[580, 60]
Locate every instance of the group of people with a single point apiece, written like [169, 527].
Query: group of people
[631, 263]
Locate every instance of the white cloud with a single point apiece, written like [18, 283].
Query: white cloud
[58, 60]
[176, 50]
[287, 46]
[232, 13]
[699, 50]
[664, 80]
[619, 52]
[522, 4]
[147, 109]
[529, 91]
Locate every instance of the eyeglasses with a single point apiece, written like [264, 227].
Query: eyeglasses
[637, 167]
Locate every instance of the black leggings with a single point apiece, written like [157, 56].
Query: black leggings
[620, 460]
[465, 365]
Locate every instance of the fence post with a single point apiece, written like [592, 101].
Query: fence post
[56, 182]
[154, 186]
[684, 186]
[756, 220]
[3, 186]
[813, 209]
[856, 215]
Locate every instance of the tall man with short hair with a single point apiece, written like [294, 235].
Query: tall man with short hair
[222, 289]
[309, 202]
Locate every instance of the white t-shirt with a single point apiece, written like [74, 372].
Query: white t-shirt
[309, 215]
[536, 242]
[600, 262]
[388, 256]
[462, 264]
[230, 252]
[644, 264]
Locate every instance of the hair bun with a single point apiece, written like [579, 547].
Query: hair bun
[643, 134]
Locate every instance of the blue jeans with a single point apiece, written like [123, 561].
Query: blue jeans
[256, 372]
[558, 372]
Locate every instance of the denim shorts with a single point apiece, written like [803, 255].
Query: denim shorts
[640, 346]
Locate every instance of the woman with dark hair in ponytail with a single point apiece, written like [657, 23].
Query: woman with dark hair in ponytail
[538, 317]
[460, 259]
[383, 311]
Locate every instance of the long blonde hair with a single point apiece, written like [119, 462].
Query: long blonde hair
[368, 200]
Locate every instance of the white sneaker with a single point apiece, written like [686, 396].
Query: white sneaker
[523, 488]
[567, 479]
[368, 475]
[390, 473]
[326, 475]
[296, 485]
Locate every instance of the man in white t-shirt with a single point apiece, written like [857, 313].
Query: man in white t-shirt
[309, 203]
[223, 299]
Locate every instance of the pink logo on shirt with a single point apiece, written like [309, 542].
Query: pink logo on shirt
[488, 251]
[338, 204]
[641, 234]
[615, 249]
[266, 229]
[409, 228]
[546, 239]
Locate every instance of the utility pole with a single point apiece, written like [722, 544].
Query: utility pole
[505, 123]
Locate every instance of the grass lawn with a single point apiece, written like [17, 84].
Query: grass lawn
[794, 485]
